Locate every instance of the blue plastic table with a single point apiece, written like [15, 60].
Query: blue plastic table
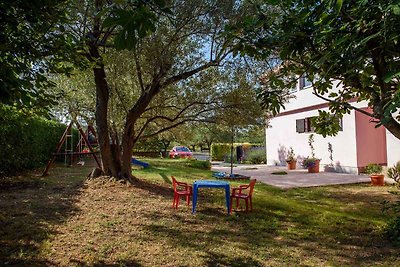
[211, 184]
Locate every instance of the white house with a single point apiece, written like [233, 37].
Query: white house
[356, 145]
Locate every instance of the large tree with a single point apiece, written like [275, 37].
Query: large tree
[353, 42]
[170, 48]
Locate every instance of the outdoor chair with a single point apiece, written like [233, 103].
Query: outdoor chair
[243, 192]
[180, 189]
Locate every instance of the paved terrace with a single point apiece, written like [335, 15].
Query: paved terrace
[294, 178]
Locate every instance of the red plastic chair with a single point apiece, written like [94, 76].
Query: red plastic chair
[181, 189]
[239, 194]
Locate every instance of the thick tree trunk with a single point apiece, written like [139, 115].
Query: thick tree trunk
[128, 142]
[101, 122]
[129, 139]
[108, 153]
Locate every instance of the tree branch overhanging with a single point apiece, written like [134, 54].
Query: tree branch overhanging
[345, 104]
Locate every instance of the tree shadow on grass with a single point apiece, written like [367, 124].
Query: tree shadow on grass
[154, 188]
[218, 259]
[28, 207]
[120, 263]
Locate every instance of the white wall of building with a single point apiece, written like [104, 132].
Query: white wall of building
[393, 149]
[281, 135]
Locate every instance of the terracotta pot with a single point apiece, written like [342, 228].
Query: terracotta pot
[291, 164]
[377, 179]
[315, 168]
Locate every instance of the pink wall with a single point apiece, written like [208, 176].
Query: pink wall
[371, 141]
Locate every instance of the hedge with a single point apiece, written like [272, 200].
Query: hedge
[26, 142]
[222, 151]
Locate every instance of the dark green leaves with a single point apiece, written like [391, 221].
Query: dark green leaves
[133, 23]
[326, 124]
[355, 43]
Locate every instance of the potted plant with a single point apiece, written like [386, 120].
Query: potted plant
[291, 159]
[375, 173]
[311, 163]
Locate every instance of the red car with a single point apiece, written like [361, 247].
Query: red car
[180, 152]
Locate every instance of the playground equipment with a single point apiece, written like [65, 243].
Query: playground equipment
[79, 150]
[140, 163]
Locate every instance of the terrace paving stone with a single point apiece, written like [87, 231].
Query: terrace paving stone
[294, 178]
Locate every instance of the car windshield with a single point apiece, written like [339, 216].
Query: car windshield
[182, 149]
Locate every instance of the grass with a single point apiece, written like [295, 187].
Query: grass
[65, 220]
[279, 173]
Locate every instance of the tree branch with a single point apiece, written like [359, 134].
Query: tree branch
[345, 104]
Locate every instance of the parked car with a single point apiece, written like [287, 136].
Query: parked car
[180, 152]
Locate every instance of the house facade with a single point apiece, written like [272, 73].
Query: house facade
[357, 144]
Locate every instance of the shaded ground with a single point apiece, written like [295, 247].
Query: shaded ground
[63, 220]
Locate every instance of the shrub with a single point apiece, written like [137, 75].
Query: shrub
[223, 151]
[220, 151]
[27, 141]
[200, 164]
[256, 156]
[394, 173]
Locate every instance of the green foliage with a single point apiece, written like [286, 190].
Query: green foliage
[221, 151]
[330, 150]
[373, 168]
[311, 145]
[291, 156]
[133, 24]
[353, 42]
[200, 164]
[393, 229]
[326, 124]
[34, 43]
[394, 172]
[256, 156]
[25, 142]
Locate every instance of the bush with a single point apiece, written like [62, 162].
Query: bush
[200, 164]
[394, 173]
[220, 151]
[256, 156]
[27, 142]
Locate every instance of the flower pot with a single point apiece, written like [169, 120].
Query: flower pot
[377, 179]
[291, 164]
[315, 168]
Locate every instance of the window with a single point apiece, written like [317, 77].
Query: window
[304, 125]
[300, 126]
[304, 82]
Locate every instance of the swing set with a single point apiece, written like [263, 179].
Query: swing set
[84, 146]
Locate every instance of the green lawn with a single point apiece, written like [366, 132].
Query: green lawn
[64, 220]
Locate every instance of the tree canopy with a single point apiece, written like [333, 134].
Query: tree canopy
[355, 43]
[33, 43]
